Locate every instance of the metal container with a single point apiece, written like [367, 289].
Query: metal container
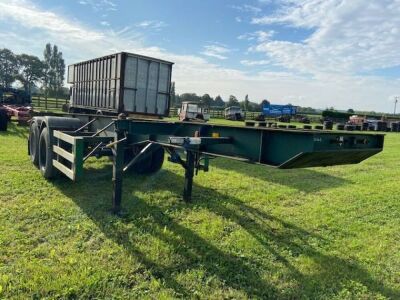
[121, 82]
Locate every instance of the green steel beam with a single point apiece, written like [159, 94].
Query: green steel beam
[283, 148]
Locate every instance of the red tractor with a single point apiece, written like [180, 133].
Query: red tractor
[14, 103]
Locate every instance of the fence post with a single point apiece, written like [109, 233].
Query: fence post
[45, 101]
[39, 101]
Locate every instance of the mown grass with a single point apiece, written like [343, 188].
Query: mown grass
[250, 232]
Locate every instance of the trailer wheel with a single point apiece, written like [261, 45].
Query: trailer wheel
[3, 120]
[46, 155]
[34, 135]
[149, 165]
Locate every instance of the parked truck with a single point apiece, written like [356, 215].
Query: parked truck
[112, 100]
[192, 111]
[14, 103]
[234, 113]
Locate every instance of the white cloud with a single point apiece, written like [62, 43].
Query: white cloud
[259, 36]
[238, 19]
[25, 27]
[247, 8]
[29, 16]
[350, 36]
[216, 50]
[151, 24]
[104, 23]
[250, 63]
[99, 5]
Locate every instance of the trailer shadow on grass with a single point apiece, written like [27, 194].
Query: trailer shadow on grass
[281, 242]
[16, 130]
[304, 180]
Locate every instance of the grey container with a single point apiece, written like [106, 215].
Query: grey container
[121, 82]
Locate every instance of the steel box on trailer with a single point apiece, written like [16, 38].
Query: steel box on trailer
[121, 83]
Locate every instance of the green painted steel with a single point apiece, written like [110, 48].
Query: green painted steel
[276, 147]
[79, 148]
[190, 143]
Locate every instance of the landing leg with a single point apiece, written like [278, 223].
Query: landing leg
[189, 173]
[118, 164]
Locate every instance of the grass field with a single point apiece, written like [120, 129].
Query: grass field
[250, 232]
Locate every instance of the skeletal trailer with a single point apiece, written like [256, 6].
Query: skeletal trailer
[63, 144]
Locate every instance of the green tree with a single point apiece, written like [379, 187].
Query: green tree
[233, 101]
[219, 101]
[48, 74]
[59, 66]
[206, 100]
[54, 70]
[30, 71]
[192, 97]
[246, 102]
[8, 67]
[350, 110]
[173, 94]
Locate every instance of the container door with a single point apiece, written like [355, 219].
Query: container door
[151, 99]
[163, 89]
[143, 66]
[131, 68]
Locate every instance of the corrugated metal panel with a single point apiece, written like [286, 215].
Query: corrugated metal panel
[122, 82]
[70, 75]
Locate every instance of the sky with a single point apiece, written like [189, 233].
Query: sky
[319, 53]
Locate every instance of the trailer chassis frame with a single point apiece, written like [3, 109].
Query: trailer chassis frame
[192, 145]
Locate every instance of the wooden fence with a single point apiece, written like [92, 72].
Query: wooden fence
[40, 102]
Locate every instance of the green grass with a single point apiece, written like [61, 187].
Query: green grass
[250, 232]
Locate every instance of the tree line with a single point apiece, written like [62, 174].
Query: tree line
[32, 72]
[217, 102]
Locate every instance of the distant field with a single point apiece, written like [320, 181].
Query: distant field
[250, 232]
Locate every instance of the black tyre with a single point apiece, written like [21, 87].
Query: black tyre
[46, 155]
[150, 164]
[3, 120]
[34, 135]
